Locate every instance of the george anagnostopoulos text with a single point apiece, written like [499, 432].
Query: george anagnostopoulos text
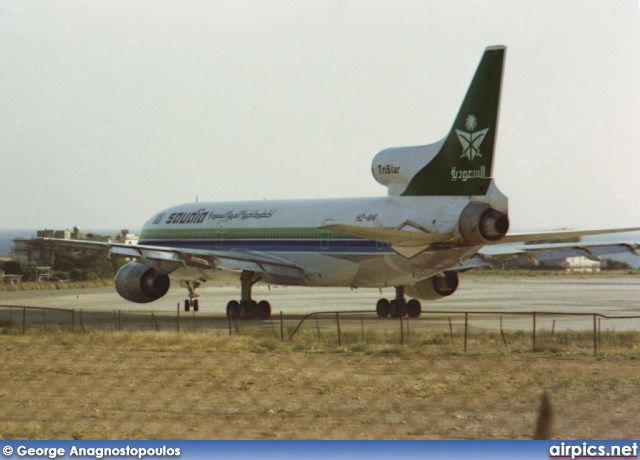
[98, 452]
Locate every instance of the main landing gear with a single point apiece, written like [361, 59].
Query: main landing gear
[399, 306]
[192, 301]
[247, 308]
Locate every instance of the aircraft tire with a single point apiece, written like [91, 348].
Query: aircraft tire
[196, 305]
[414, 309]
[383, 308]
[187, 305]
[264, 310]
[233, 309]
[248, 310]
[398, 309]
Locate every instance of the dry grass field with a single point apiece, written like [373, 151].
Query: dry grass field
[148, 385]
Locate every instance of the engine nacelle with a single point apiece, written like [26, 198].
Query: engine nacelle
[434, 288]
[481, 224]
[141, 283]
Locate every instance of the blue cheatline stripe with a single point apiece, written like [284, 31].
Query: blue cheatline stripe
[275, 245]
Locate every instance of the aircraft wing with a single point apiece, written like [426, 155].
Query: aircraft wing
[563, 234]
[414, 241]
[535, 254]
[171, 258]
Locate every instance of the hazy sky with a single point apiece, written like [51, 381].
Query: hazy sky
[113, 110]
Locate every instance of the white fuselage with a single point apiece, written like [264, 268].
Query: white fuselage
[292, 229]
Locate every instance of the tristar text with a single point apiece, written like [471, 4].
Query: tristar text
[388, 169]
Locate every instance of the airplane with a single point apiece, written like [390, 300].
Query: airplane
[443, 215]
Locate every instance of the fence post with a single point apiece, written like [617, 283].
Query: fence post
[73, 321]
[24, 321]
[595, 335]
[408, 331]
[281, 327]
[466, 322]
[178, 317]
[339, 334]
[534, 331]
[451, 330]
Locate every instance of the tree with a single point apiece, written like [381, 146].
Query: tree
[84, 267]
[13, 267]
[612, 264]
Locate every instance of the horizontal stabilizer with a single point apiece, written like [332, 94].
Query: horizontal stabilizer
[409, 251]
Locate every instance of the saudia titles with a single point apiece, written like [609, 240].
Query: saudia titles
[187, 217]
[201, 215]
[470, 142]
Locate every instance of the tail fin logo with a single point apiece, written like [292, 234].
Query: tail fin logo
[471, 141]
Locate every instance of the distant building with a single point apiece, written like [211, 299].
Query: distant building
[579, 264]
[21, 253]
[124, 237]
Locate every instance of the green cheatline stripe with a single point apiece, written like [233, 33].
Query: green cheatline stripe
[242, 233]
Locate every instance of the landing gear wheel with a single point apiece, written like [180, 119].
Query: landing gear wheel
[233, 310]
[383, 308]
[397, 309]
[248, 309]
[196, 305]
[187, 305]
[414, 309]
[264, 310]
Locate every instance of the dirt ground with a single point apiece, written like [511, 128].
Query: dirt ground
[55, 391]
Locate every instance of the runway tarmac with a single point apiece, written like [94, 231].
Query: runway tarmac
[606, 295]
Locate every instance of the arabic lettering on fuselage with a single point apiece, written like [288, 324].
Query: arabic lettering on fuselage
[201, 215]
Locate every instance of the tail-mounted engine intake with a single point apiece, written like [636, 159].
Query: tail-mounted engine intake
[434, 288]
[480, 223]
[141, 283]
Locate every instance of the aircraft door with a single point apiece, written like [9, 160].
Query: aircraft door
[324, 236]
[221, 235]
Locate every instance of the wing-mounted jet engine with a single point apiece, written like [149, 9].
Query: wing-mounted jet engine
[141, 283]
[434, 288]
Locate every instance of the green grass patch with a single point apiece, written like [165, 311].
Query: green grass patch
[263, 341]
[56, 286]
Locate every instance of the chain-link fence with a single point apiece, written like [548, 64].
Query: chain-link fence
[538, 331]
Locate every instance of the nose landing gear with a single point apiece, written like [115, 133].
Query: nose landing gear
[192, 301]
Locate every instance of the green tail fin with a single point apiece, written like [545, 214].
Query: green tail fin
[464, 164]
